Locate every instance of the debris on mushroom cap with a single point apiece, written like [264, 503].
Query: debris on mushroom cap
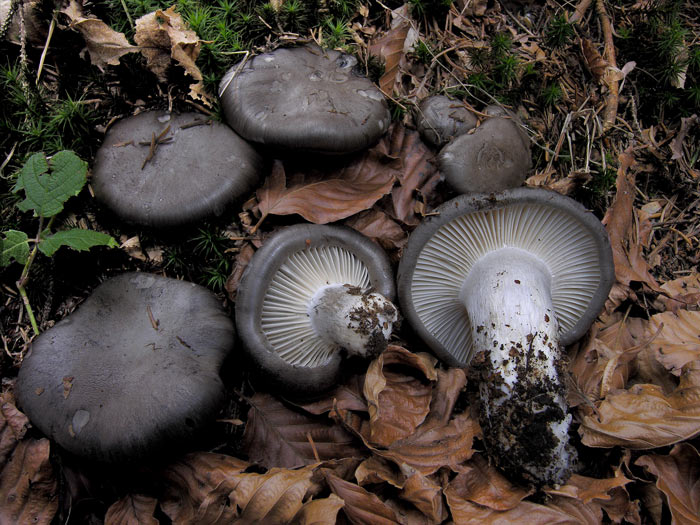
[304, 98]
[442, 250]
[299, 275]
[439, 119]
[164, 169]
[494, 157]
[135, 369]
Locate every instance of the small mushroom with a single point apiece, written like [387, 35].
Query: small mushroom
[304, 98]
[509, 278]
[164, 169]
[493, 157]
[132, 373]
[439, 119]
[309, 292]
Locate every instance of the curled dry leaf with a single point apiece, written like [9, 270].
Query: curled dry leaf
[426, 495]
[346, 396]
[164, 37]
[398, 402]
[104, 45]
[361, 507]
[681, 293]
[277, 435]
[379, 227]
[644, 417]
[678, 477]
[134, 509]
[28, 487]
[327, 197]
[240, 262]
[587, 489]
[675, 338]
[13, 427]
[378, 470]
[391, 48]
[319, 511]
[198, 488]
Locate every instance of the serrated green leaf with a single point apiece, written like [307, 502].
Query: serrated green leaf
[15, 246]
[77, 239]
[46, 191]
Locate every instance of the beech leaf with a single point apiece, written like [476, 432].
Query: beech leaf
[426, 495]
[391, 47]
[134, 509]
[361, 507]
[13, 427]
[675, 338]
[678, 477]
[322, 511]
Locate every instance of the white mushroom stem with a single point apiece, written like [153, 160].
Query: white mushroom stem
[523, 393]
[359, 321]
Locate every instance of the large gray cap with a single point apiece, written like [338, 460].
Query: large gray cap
[275, 290]
[494, 157]
[439, 119]
[195, 169]
[132, 372]
[569, 241]
[304, 98]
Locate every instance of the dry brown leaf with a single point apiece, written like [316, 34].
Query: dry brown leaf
[28, 487]
[13, 427]
[587, 489]
[379, 227]
[105, 45]
[398, 402]
[643, 417]
[378, 470]
[390, 47]
[327, 197]
[240, 263]
[678, 476]
[319, 511]
[134, 509]
[426, 495]
[198, 488]
[676, 144]
[675, 338]
[681, 293]
[277, 435]
[346, 396]
[163, 36]
[595, 62]
[481, 483]
[361, 507]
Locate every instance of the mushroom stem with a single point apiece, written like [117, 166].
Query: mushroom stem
[357, 320]
[523, 393]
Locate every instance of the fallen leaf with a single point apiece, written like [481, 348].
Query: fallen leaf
[13, 427]
[481, 483]
[426, 495]
[327, 197]
[378, 470]
[595, 62]
[134, 509]
[346, 396]
[164, 37]
[391, 48]
[240, 263]
[398, 402]
[643, 417]
[28, 487]
[198, 487]
[379, 227]
[676, 144]
[105, 45]
[678, 477]
[361, 507]
[319, 511]
[278, 435]
[681, 293]
[675, 338]
[587, 489]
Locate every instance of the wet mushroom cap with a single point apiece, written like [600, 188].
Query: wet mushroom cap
[493, 157]
[164, 169]
[570, 242]
[133, 372]
[304, 98]
[439, 119]
[273, 317]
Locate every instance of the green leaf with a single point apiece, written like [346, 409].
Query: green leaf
[77, 239]
[15, 246]
[46, 191]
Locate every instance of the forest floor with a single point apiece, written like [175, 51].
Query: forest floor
[608, 94]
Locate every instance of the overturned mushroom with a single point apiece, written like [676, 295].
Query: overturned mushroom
[304, 98]
[510, 278]
[493, 157]
[133, 372]
[308, 293]
[439, 119]
[165, 169]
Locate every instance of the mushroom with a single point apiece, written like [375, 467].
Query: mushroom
[439, 119]
[493, 157]
[165, 169]
[309, 292]
[133, 372]
[508, 279]
[304, 98]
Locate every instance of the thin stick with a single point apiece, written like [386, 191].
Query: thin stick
[128, 15]
[611, 81]
[580, 11]
[46, 48]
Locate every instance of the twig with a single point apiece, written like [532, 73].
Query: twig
[580, 11]
[46, 49]
[610, 76]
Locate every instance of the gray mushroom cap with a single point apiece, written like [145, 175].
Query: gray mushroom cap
[276, 287]
[304, 98]
[439, 119]
[196, 169]
[494, 157]
[135, 369]
[570, 242]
